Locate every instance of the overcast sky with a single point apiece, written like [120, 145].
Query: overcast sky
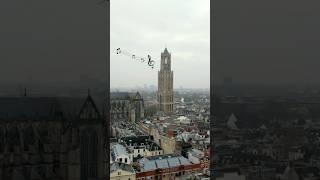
[145, 27]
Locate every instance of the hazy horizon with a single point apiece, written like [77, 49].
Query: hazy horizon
[147, 27]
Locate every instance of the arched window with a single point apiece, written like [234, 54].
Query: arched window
[88, 154]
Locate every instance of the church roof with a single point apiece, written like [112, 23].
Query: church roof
[290, 173]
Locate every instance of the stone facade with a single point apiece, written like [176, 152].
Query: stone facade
[127, 106]
[165, 83]
[51, 138]
[167, 144]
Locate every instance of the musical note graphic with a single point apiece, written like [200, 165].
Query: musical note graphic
[150, 62]
[133, 56]
[118, 51]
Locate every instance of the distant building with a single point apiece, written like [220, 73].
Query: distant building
[165, 84]
[128, 106]
[231, 124]
[121, 171]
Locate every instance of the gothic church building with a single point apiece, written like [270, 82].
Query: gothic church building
[52, 138]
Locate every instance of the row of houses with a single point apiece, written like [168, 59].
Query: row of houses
[148, 160]
[165, 167]
[128, 149]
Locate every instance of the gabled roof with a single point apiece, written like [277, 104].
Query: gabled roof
[290, 173]
[89, 109]
[138, 96]
[119, 150]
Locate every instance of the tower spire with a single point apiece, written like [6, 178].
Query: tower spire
[165, 83]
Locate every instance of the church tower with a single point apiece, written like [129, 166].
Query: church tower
[165, 83]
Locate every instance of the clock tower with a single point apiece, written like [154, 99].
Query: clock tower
[165, 84]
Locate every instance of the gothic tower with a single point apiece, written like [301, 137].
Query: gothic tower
[165, 83]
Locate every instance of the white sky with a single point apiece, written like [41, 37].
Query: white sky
[145, 27]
